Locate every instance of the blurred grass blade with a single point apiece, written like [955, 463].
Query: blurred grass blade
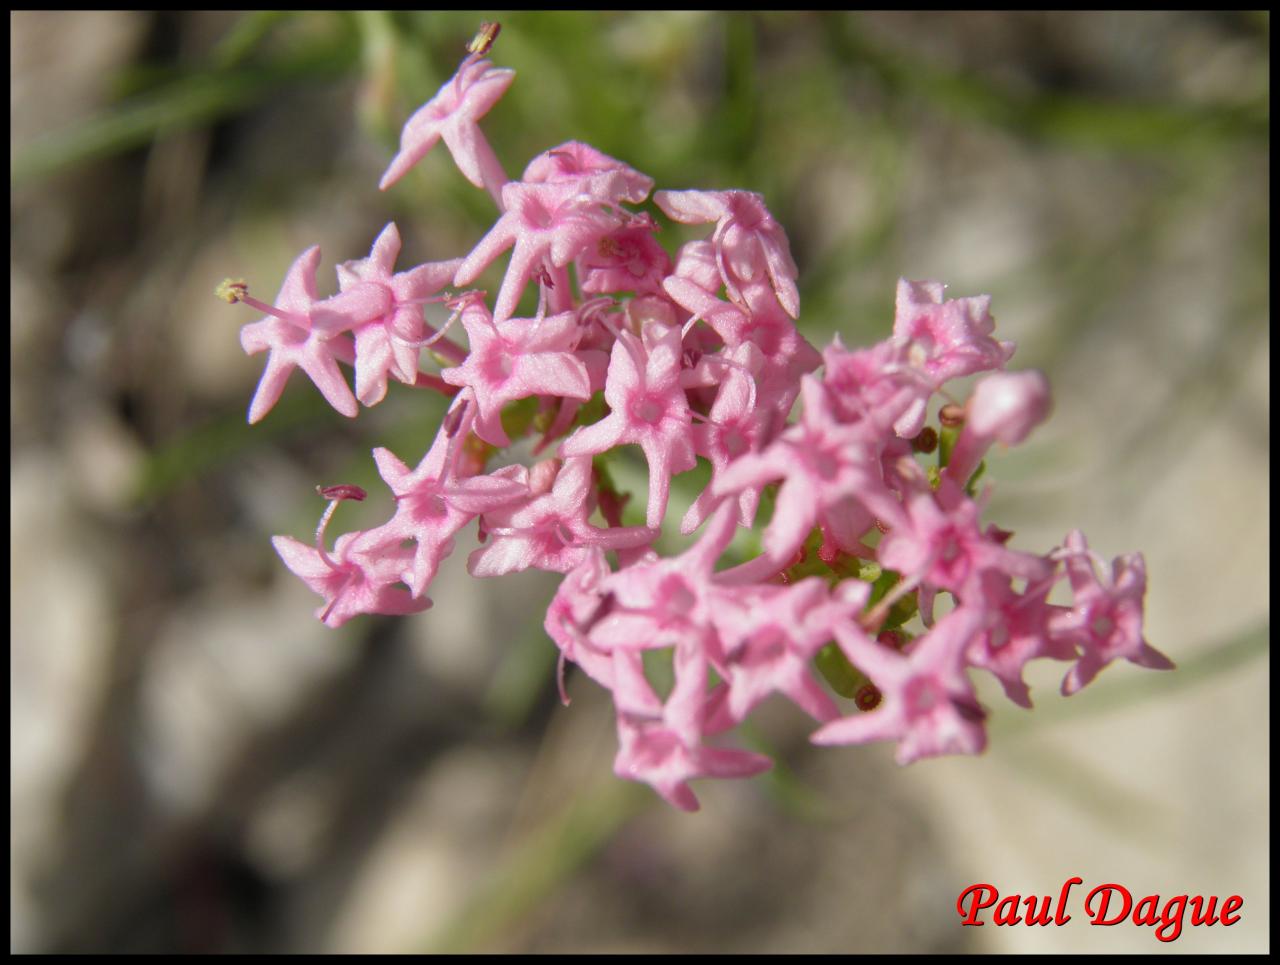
[245, 35]
[202, 450]
[188, 102]
[551, 854]
[1137, 126]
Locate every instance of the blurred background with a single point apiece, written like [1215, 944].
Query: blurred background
[198, 765]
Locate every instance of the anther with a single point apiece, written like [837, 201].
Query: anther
[480, 44]
[335, 495]
[232, 290]
[342, 491]
[868, 697]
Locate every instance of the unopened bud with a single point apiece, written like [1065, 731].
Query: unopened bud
[926, 441]
[891, 639]
[951, 415]
[1006, 406]
[543, 476]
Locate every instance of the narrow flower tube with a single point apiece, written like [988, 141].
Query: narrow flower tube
[1004, 407]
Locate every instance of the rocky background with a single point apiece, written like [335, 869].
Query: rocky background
[197, 765]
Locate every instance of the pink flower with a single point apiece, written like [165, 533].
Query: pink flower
[697, 263]
[946, 339]
[929, 705]
[433, 503]
[389, 325]
[1015, 631]
[749, 244]
[733, 427]
[831, 476]
[288, 334]
[648, 408]
[787, 354]
[877, 386]
[454, 115]
[655, 753]
[352, 582]
[518, 358]
[551, 532]
[946, 549]
[700, 358]
[627, 260]
[545, 223]
[580, 601]
[660, 603]
[769, 637]
[592, 171]
[1105, 619]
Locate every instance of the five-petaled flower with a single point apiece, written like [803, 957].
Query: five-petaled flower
[293, 341]
[648, 408]
[453, 116]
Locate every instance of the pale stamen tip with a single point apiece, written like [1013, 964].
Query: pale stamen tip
[232, 290]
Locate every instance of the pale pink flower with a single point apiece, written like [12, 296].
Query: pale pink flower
[769, 636]
[433, 502]
[580, 601]
[288, 334]
[592, 171]
[551, 531]
[389, 326]
[352, 582]
[657, 754]
[945, 547]
[749, 243]
[878, 386]
[648, 408]
[627, 260]
[672, 602]
[696, 262]
[831, 477]
[662, 602]
[946, 339]
[929, 706]
[734, 426]
[515, 359]
[1015, 631]
[1105, 619]
[787, 354]
[547, 224]
[453, 115]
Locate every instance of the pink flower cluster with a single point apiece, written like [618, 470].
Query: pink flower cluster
[694, 356]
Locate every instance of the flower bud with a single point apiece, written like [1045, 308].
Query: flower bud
[1008, 405]
[1004, 407]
